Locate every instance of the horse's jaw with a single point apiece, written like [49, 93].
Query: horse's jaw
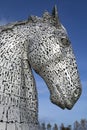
[64, 91]
[63, 101]
[63, 81]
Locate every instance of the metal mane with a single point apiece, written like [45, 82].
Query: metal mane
[47, 17]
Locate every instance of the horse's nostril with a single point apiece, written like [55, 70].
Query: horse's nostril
[77, 92]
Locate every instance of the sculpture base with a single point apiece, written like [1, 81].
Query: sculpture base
[17, 126]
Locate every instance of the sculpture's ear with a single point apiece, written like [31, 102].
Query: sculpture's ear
[55, 16]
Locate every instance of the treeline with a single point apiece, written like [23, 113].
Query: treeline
[82, 125]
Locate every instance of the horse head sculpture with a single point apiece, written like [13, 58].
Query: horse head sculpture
[52, 58]
[41, 44]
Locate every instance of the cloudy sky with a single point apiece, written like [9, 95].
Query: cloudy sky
[73, 15]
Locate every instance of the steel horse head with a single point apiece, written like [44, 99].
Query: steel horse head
[40, 43]
[52, 57]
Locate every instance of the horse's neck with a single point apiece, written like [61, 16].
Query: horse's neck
[16, 78]
[14, 50]
[16, 36]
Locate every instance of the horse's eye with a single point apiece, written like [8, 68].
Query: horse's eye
[65, 41]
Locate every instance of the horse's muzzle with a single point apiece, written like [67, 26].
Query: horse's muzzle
[64, 100]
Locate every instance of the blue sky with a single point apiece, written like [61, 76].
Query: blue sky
[73, 15]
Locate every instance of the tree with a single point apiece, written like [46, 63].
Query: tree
[43, 127]
[62, 127]
[69, 127]
[76, 125]
[83, 124]
[55, 127]
[48, 126]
